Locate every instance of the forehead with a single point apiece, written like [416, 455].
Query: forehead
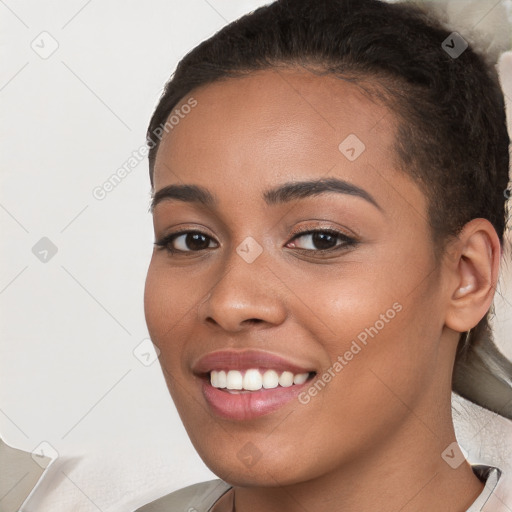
[279, 125]
[293, 107]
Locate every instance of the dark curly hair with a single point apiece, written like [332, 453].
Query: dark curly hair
[451, 138]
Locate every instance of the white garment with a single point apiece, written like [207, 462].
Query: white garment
[202, 497]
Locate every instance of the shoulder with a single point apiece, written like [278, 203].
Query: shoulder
[194, 498]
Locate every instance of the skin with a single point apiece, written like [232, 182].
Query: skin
[375, 433]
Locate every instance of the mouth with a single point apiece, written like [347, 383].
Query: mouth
[255, 379]
[246, 385]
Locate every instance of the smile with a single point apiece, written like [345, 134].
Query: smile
[244, 385]
[255, 379]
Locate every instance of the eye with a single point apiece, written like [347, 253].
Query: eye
[316, 241]
[185, 241]
[322, 240]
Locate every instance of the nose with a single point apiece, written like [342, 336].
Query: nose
[245, 295]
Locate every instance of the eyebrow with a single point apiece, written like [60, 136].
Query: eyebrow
[278, 195]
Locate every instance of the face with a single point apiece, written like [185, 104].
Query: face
[333, 287]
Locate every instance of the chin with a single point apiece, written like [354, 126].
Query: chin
[247, 461]
[269, 474]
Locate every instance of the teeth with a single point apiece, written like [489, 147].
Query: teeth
[270, 379]
[254, 380]
[218, 379]
[286, 379]
[300, 378]
[222, 379]
[234, 380]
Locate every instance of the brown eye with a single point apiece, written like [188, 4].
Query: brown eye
[186, 241]
[322, 240]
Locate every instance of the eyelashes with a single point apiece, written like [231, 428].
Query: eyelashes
[192, 241]
[194, 237]
[322, 237]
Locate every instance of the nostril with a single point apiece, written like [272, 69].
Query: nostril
[236, 324]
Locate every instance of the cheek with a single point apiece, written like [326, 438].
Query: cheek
[338, 305]
[169, 297]
[379, 322]
[156, 297]
[165, 307]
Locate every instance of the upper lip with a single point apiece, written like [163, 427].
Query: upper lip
[244, 360]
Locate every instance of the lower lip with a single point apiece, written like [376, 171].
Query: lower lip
[250, 405]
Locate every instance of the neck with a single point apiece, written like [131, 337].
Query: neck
[407, 474]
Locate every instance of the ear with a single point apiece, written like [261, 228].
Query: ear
[474, 266]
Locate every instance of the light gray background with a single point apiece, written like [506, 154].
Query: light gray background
[71, 321]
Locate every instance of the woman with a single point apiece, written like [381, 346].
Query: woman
[329, 186]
